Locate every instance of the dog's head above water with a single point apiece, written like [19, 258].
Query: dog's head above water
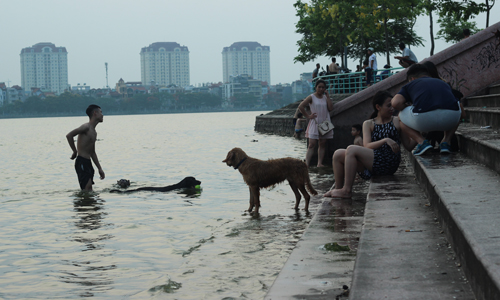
[189, 182]
[235, 157]
[123, 183]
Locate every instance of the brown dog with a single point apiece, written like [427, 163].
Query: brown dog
[262, 174]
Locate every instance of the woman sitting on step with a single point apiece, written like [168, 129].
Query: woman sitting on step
[380, 155]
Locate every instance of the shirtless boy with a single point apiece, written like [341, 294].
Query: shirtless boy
[356, 133]
[85, 148]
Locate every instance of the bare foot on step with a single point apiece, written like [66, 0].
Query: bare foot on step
[341, 193]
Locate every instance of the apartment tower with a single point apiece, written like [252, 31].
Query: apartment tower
[250, 58]
[164, 64]
[44, 66]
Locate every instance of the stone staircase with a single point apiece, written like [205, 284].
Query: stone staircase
[464, 189]
[432, 231]
[480, 138]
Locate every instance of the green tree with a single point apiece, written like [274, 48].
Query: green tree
[386, 23]
[327, 26]
[273, 99]
[324, 26]
[244, 100]
[452, 31]
[454, 16]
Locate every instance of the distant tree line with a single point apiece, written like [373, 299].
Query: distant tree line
[68, 103]
[74, 104]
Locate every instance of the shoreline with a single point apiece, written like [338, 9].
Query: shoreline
[114, 113]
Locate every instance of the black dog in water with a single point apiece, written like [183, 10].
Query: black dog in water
[186, 183]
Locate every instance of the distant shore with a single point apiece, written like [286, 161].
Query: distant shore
[119, 113]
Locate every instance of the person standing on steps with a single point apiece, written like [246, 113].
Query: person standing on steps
[320, 106]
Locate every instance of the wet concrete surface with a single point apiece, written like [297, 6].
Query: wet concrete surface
[464, 193]
[323, 260]
[403, 253]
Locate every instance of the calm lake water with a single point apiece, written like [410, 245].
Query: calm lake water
[57, 243]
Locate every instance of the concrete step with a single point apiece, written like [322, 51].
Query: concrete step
[465, 195]
[480, 144]
[494, 89]
[492, 100]
[402, 253]
[484, 116]
[322, 261]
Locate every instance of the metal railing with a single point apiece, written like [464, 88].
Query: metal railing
[350, 83]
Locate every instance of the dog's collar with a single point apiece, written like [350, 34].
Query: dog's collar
[239, 164]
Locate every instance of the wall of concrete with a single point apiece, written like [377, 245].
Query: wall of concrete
[469, 66]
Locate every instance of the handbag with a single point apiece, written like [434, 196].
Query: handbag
[325, 127]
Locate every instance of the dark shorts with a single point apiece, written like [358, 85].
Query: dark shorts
[84, 170]
[408, 61]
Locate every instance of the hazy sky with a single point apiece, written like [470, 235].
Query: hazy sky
[99, 31]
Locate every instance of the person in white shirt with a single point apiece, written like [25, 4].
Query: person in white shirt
[408, 57]
[372, 66]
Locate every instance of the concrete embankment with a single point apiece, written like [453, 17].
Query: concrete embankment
[392, 248]
[322, 261]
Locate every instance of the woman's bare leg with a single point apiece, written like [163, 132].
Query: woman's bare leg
[338, 160]
[321, 151]
[310, 151]
[356, 160]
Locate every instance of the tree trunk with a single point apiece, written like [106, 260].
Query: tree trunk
[432, 32]
[386, 42]
[342, 52]
[487, 13]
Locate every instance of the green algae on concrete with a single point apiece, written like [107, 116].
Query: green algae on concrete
[335, 247]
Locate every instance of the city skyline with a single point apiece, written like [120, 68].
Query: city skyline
[95, 34]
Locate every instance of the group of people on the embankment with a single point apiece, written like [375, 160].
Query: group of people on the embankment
[425, 104]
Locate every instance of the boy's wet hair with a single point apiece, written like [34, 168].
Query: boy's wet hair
[417, 71]
[90, 109]
[357, 126]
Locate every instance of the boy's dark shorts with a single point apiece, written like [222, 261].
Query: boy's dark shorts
[84, 170]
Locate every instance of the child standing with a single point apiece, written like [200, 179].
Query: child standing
[356, 133]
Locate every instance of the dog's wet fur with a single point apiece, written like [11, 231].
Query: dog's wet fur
[259, 174]
[186, 183]
[123, 183]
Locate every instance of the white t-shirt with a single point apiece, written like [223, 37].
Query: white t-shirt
[374, 59]
[409, 53]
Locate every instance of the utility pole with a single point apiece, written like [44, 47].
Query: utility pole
[106, 65]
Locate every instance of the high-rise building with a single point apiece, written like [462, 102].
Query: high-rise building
[250, 58]
[164, 64]
[44, 66]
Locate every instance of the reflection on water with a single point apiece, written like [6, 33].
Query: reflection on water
[185, 244]
[89, 271]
